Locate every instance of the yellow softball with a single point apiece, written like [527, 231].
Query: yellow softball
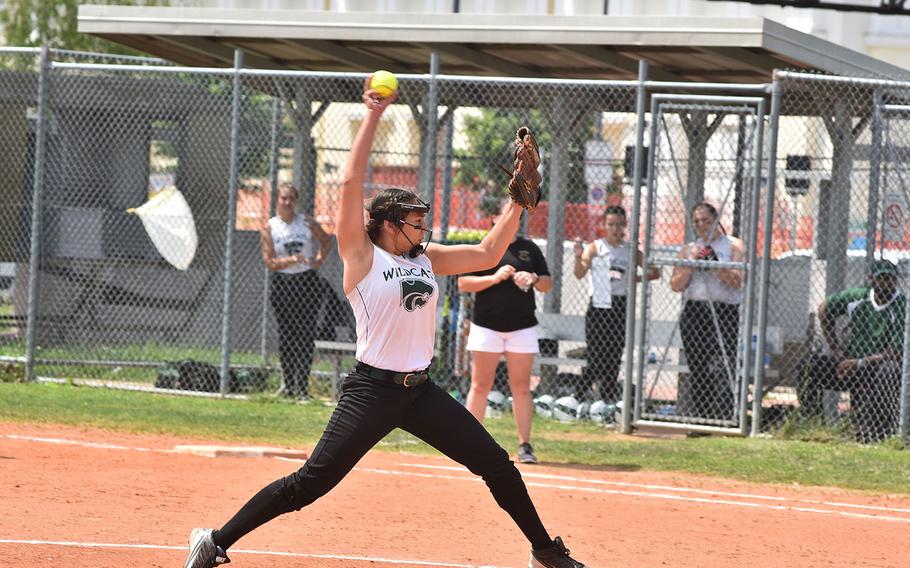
[384, 83]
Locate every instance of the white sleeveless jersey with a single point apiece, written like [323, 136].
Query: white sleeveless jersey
[608, 272]
[292, 238]
[706, 286]
[395, 309]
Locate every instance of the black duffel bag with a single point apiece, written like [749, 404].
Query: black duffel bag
[189, 375]
[204, 377]
[248, 379]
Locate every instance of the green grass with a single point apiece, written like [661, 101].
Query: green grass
[884, 468]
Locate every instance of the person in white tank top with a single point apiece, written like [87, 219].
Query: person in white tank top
[709, 324]
[293, 246]
[607, 260]
[390, 279]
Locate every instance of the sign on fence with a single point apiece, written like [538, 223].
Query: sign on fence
[894, 216]
[598, 170]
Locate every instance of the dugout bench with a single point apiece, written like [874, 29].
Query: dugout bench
[336, 351]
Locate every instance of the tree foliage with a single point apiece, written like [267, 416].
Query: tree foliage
[490, 136]
[33, 23]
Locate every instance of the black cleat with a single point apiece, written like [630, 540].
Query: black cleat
[556, 556]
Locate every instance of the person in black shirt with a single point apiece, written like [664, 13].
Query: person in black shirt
[504, 323]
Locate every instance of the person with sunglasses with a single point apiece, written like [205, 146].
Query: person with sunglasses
[389, 277]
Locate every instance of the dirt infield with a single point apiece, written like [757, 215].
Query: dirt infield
[91, 498]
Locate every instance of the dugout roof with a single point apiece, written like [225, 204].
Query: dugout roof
[725, 50]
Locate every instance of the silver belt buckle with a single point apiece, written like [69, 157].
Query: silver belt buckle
[406, 382]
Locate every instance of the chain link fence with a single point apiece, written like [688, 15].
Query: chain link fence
[19, 92]
[843, 209]
[720, 292]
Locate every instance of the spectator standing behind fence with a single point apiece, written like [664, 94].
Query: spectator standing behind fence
[866, 363]
[605, 321]
[710, 319]
[293, 246]
[503, 323]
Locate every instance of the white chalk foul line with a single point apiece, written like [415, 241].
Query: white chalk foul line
[531, 475]
[727, 502]
[666, 496]
[384, 561]
[84, 444]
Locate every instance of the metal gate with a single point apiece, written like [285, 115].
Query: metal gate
[691, 359]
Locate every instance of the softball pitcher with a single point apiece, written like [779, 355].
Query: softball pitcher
[390, 270]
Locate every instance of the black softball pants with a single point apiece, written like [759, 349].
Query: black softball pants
[874, 394]
[295, 301]
[367, 411]
[710, 390]
[605, 332]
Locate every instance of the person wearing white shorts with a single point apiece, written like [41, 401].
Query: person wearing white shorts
[503, 323]
[491, 341]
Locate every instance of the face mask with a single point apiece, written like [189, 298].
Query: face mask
[421, 246]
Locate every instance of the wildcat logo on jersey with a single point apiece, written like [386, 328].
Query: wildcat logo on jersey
[293, 247]
[415, 294]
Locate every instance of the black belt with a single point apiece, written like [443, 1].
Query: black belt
[411, 379]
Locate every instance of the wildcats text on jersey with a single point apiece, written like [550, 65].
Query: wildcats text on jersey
[400, 272]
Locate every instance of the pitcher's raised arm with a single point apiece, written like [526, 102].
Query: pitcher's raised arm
[354, 245]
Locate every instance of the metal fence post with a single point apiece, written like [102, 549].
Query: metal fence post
[633, 247]
[640, 327]
[837, 236]
[875, 166]
[34, 265]
[904, 431]
[764, 274]
[556, 199]
[273, 193]
[446, 205]
[751, 255]
[738, 176]
[429, 141]
[229, 230]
